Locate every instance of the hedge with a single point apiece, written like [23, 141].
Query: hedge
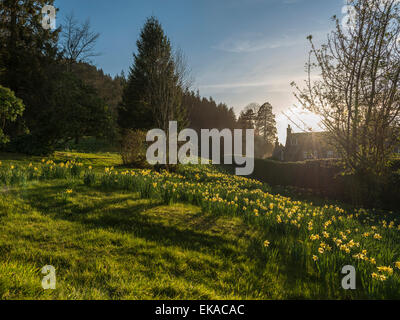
[324, 178]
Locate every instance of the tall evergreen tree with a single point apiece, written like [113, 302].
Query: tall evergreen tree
[266, 123]
[153, 93]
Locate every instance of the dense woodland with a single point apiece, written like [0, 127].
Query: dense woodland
[63, 97]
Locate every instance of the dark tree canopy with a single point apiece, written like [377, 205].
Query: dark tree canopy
[58, 105]
[205, 113]
[27, 53]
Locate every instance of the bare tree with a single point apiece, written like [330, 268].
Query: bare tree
[78, 41]
[357, 89]
[169, 79]
[167, 85]
[182, 70]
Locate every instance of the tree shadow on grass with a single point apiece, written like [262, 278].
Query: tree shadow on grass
[130, 218]
[162, 228]
[133, 219]
[47, 200]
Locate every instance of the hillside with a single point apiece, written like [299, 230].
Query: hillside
[117, 233]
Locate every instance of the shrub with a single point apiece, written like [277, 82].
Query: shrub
[133, 148]
[11, 108]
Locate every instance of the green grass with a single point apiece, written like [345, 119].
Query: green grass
[97, 160]
[110, 243]
[117, 246]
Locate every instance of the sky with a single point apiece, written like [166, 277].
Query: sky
[238, 51]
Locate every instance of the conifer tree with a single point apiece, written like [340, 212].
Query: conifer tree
[153, 93]
[266, 123]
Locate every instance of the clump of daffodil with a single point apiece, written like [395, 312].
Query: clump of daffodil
[380, 277]
[388, 270]
[335, 230]
[314, 237]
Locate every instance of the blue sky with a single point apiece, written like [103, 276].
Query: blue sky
[239, 51]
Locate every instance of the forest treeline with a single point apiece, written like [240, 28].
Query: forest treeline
[52, 94]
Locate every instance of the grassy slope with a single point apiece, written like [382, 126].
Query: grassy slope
[117, 246]
[114, 245]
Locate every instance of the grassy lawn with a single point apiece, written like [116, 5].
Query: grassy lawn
[97, 160]
[117, 246]
[110, 243]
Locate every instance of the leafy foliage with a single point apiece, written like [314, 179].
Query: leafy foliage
[10, 108]
[27, 57]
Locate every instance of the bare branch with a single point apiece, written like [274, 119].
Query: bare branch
[78, 41]
[357, 91]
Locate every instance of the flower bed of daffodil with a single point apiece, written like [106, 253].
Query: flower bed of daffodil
[326, 237]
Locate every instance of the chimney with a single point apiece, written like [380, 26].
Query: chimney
[289, 130]
[288, 134]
